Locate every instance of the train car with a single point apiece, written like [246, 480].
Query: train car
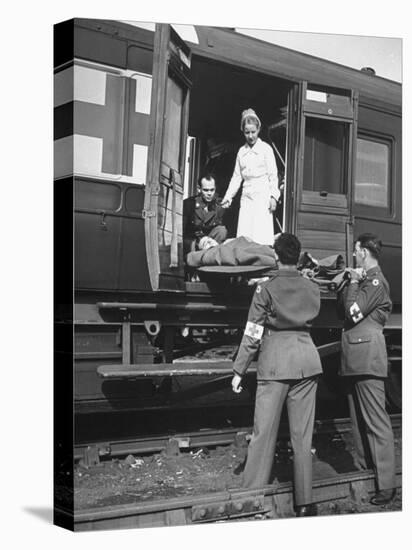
[140, 112]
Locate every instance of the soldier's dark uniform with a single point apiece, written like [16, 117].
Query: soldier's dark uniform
[201, 218]
[279, 321]
[365, 307]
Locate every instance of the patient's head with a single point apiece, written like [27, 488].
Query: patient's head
[206, 242]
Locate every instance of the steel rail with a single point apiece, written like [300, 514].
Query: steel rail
[274, 501]
[92, 451]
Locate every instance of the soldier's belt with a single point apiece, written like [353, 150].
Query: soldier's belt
[293, 329]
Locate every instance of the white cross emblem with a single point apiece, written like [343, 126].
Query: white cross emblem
[356, 313]
[253, 330]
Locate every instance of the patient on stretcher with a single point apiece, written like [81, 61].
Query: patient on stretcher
[240, 251]
[244, 257]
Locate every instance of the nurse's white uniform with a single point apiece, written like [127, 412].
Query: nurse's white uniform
[256, 166]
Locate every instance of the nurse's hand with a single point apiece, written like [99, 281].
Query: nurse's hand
[272, 204]
[226, 203]
[236, 380]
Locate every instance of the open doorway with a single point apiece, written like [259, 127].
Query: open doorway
[219, 94]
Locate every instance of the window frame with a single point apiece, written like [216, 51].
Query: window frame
[367, 210]
[178, 81]
[127, 105]
[345, 151]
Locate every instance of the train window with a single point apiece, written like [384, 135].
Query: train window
[93, 195]
[104, 123]
[136, 144]
[143, 93]
[173, 124]
[98, 121]
[372, 173]
[325, 156]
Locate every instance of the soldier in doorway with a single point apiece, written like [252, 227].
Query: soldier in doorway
[203, 216]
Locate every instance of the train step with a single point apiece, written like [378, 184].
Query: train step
[189, 368]
[180, 368]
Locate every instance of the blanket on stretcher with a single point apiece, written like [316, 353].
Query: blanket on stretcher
[243, 255]
[235, 252]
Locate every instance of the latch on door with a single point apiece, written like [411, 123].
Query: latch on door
[103, 223]
[148, 214]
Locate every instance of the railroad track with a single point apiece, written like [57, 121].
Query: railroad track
[91, 452]
[273, 501]
[269, 502]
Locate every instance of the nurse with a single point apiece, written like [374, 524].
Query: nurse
[256, 167]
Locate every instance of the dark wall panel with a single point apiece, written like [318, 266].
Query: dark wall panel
[63, 46]
[99, 47]
[63, 351]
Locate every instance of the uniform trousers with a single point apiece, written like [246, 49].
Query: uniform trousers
[300, 401]
[372, 429]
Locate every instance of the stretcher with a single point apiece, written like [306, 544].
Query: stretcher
[328, 273]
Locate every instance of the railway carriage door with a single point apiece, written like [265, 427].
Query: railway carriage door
[164, 193]
[322, 137]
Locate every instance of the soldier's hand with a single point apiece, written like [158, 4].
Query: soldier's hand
[356, 274]
[236, 381]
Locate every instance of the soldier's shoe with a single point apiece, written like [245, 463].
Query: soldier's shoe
[306, 510]
[383, 497]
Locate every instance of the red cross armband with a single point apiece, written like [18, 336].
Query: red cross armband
[355, 313]
[253, 330]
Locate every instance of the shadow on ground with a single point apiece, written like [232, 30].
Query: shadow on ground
[43, 513]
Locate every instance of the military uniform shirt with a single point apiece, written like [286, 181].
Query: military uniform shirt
[365, 308]
[279, 321]
[200, 217]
